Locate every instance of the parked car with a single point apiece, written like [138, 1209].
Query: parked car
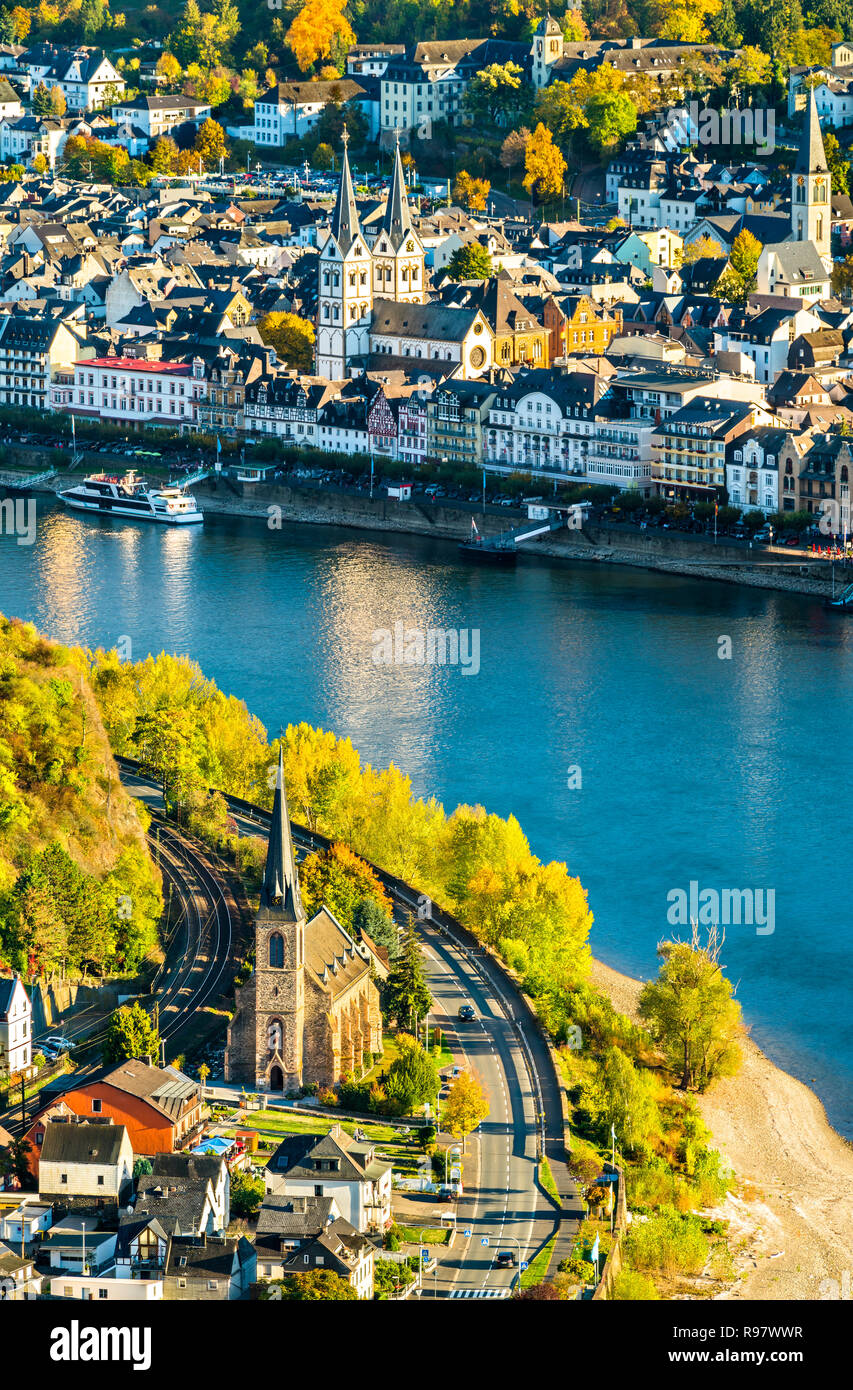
[56, 1043]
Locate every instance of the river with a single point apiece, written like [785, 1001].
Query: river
[606, 714]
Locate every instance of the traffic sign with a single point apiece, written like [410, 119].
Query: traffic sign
[467, 1231]
[523, 1265]
[484, 1240]
[424, 1254]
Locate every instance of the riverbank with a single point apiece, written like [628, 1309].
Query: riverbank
[791, 1213]
[681, 555]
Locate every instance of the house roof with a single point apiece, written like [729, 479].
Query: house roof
[294, 1216]
[98, 1144]
[298, 1155]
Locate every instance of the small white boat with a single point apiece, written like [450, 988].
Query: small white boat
[109, 495]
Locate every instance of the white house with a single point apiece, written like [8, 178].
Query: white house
[136, 391]
[794, 269]
[156, 116]
[85, 75]
[291, 109]
[16, 1026]
[752, 469]
[85, 1164]
[334, 1165]
[25, 1223]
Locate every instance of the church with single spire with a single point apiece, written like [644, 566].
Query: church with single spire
[310, 1012]
[359, 274]
[811, 187]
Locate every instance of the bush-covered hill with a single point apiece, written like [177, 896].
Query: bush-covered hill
[78, 890]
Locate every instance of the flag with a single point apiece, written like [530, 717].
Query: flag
[474, 527]
[593, 1254]
[218, 445]
[613, 1132]
[716, 508]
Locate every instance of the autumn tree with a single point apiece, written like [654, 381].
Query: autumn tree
[168, 67]
[291, 336]
[471, 192]
[163, 155]
[696, 250]
[544, 166]
[317, 1285]
[471, 262]
[340, 880]
[48, 102]
[738, 281]
[320, 31]
[683, 21]
[691, 1011]
[466, 1106]
[210, 143]
[838, 166]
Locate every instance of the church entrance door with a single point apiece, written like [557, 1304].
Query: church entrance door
[276, 1079]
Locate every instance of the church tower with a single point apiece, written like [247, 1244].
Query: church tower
[398, 253]
[345, 292]
[279, 958]
[811, 187]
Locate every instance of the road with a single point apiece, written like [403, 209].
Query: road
[505, 1207]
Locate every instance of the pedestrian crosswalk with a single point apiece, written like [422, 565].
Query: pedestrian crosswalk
[480, 1293]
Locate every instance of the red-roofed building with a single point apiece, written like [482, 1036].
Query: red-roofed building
[135, 391]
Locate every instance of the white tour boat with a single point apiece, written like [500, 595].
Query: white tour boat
[110, 495]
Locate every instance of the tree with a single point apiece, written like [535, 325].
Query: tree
[738, 282]
[142, 1167]
[471, 262]
[544, 166]
[163, 155]
[412, 1077]
[472, 192]
[130, 1034]
[291, 336]
[14, 1160]
[838, 166]
[466, 1106]
[497, 95]
[323, 156]
[169, 67]
[370, 917]
[610, 119]
[203, 1073]
[684, 21]
[320, 30]
[247, 1193]
[694, 251]
[691, 1011]
[170, 746]
[513, 147]
[210, 143]
[408, 998]
[318, 1285]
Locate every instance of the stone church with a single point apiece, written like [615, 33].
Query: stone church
[311, 1009]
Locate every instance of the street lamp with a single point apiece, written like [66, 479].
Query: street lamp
[454, 1148]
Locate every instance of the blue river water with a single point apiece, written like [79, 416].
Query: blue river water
[605, 714]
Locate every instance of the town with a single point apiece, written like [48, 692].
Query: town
[274, 1024]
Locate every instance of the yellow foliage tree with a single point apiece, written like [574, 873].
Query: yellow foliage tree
[168, 67]
[291, 336]
[544, 165]
[466, 1106]
[320, 30]
[471, 191]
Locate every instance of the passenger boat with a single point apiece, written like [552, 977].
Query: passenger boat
[109, 495]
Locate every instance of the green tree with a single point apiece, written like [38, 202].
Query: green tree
[247, 1194]
[131, 1034]
[318, 1285]
[838, 166]
[498, 95]
[412, 1077]
[407, 996]
[692, 1013]
[610, 119]
[371, 917]
[470, 262]
[170, 747]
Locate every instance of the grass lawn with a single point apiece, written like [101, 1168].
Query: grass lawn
[546, 1177]
[426, 1235]
[402, 1150]
[537, 1270]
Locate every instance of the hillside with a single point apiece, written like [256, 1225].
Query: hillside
[78, 890]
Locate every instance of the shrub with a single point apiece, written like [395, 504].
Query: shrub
[631, 1286]
[668, 1242]
[327, 1096]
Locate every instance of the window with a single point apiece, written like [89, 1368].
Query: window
[277, 951]
[103, 1293]
[64, 1179]
[100, 1180]
[97, 1105]
[213, 1283]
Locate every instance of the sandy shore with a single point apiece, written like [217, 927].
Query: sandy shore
[791, 1214]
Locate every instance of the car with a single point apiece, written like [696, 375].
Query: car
[505, 1259]
[466, 1011]
[56, 1043]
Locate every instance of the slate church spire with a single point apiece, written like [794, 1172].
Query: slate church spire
[345, 225]
[280, 887]
[811, 186]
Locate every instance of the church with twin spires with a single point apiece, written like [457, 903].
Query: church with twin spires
[310, 1013]
[357, 278]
